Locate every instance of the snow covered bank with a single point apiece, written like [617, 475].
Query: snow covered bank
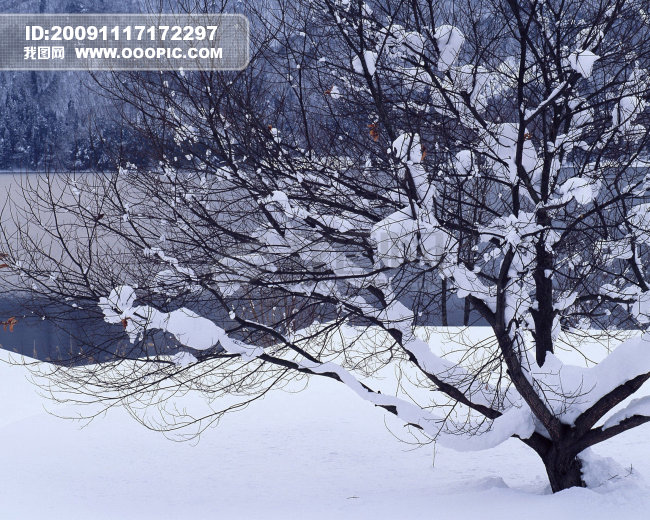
[320, 453]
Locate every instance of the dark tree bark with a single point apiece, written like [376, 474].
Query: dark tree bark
[443, 303]
[564, 469]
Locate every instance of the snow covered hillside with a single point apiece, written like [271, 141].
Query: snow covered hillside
[320, 453]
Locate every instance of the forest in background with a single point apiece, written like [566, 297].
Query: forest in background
[57, 121]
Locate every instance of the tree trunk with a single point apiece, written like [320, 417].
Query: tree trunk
[443, 303]
[564, 470]
[466, 312]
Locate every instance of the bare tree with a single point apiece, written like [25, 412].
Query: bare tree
[302, 214]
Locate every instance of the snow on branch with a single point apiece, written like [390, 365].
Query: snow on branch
[449, 40]
[189, 328]
[369, 61]
[582, 61]
[638, 407]
[576, 388]
[200, 333]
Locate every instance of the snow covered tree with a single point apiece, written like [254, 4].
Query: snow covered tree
[304, 210]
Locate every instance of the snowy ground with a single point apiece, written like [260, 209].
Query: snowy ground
[321, 453]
